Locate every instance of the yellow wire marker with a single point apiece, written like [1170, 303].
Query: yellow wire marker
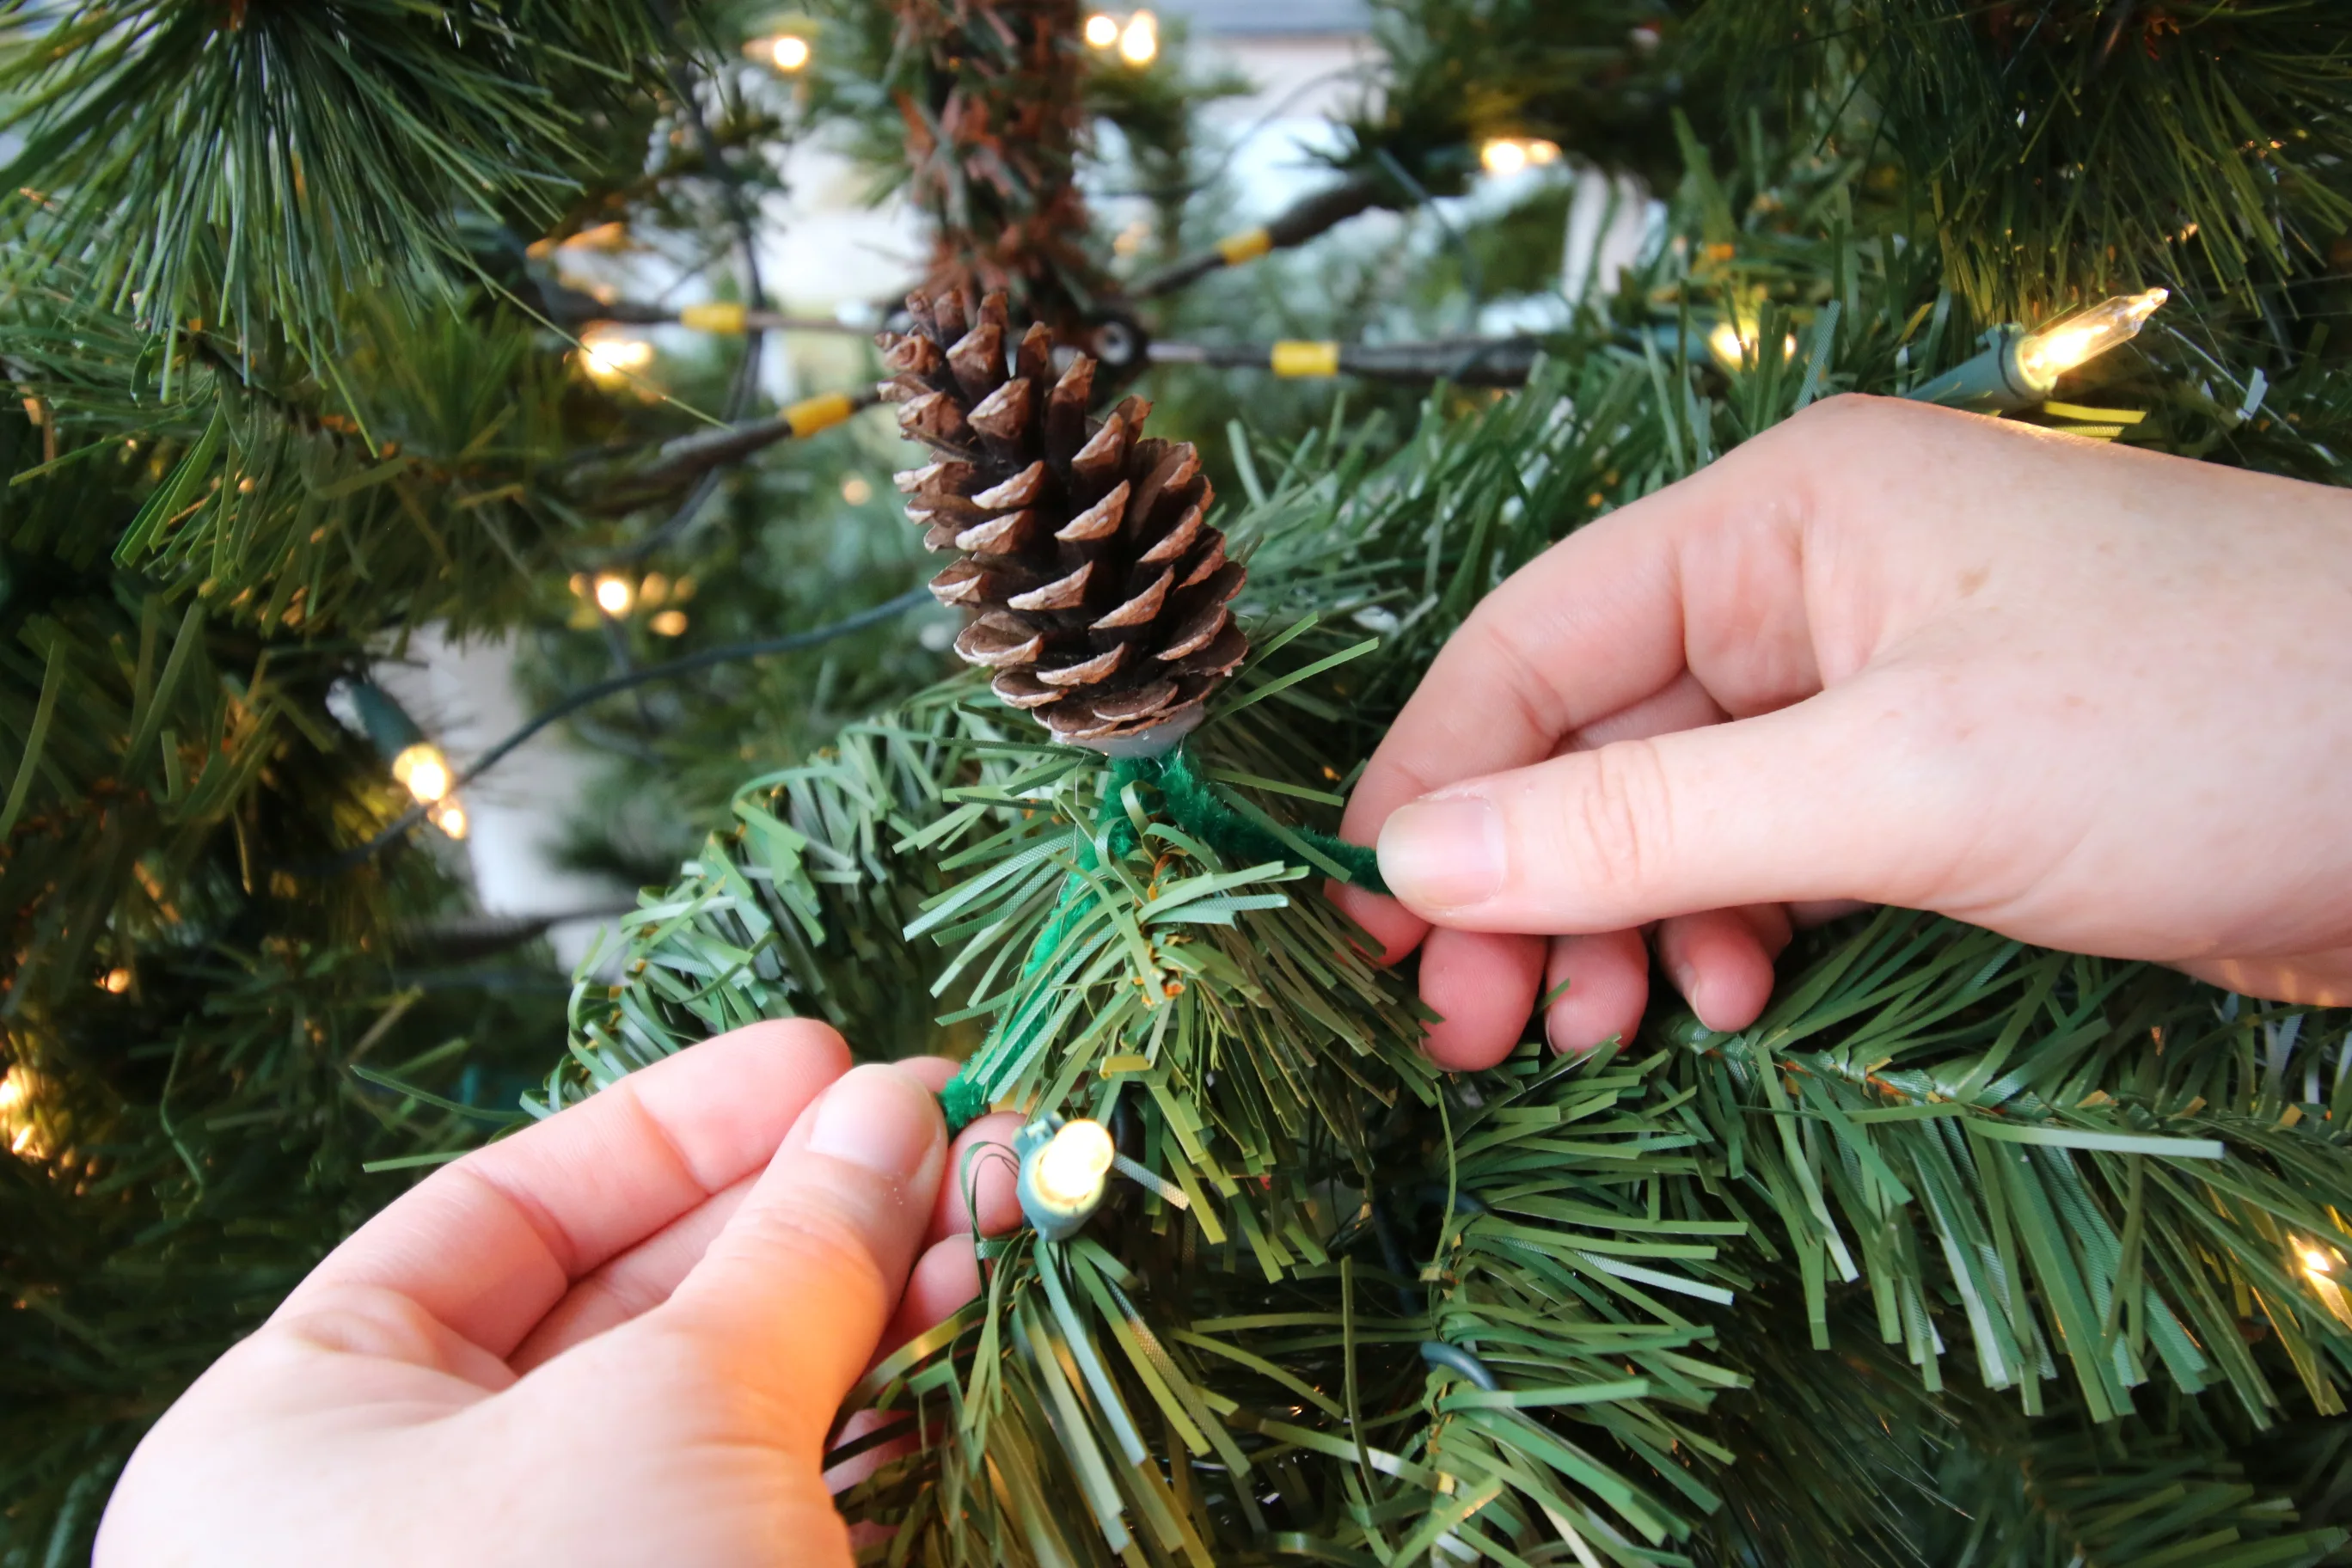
[1297, 357]
[723, 319]
[1247, 245]
[822, 412]
[2094, 415]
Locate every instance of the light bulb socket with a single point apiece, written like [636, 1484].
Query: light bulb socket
[388, 727]
[1993, 382]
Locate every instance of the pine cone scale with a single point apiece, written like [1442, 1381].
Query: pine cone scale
[1099, 590]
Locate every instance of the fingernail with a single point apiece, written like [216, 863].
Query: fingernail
[1443, 853]
[1693, 988]
[880, 1118]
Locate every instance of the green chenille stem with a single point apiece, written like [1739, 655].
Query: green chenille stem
[1192, 806]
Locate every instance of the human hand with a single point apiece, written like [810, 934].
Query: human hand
[620, 1336]
[2086, 696]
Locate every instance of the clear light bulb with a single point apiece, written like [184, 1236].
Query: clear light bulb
[614, 594]
[1138, 41]
[1071, 1168]
[609, 357]
[2043, 357]
[1735, 344]
[423, 769]
[1504, 155]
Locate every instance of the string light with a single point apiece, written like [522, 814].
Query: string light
[1065, 1171]
[1102, 30]
[614, 594]
[789, 51]
[2021, 370]
[2041, 357]
[423, 769]
[1138, 41]
[2318, 1263]
[608, 236]
[115, 982]
[16, 1124]
[426, 772]
[1509, 155]
[668, 624]
[610, 358]
[856, 491]
[1072, 1166]
[1734, 344]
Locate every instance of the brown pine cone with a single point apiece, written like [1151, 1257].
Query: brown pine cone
[1098, 592]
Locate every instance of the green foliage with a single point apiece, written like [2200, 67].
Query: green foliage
[184, 1151]
[781, 545]
[1597, 77]
[2079, 147]
[254, 163]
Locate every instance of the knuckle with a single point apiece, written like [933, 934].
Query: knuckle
[361, 1321]
[1849, 410]
[1620, 824]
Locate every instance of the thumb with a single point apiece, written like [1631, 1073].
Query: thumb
[795, 1292]
[1814, 801]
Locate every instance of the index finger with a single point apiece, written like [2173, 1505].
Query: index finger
[1614, 614]
[489, 1244]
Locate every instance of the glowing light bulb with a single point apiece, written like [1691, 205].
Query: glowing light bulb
[451, 819]
[609, 358]
[668, 624]
[16, 1086]
[423, 769]
[2043, 357]
[116, 982]
[1733, 344]
[2318, 1263]
[856, 491]
[1071, 1168]
[1503, 155]
[790, 52]
[1540, 152]
[1138, 41]
[1102, 30]
[614, 594]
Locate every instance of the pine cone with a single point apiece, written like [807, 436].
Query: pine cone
[1098, 592]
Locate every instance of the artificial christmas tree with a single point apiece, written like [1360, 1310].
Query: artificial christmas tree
[1965, 1253]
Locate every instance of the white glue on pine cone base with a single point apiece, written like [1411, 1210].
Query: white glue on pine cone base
[1098, 592]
